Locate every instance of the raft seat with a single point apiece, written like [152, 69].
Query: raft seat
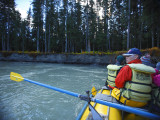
[104, 97]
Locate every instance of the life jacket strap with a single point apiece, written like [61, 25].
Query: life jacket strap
[138, 91]
[112, 76]
[110, 81]
[140, 83]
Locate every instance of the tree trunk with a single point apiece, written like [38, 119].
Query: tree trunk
[46, 28]
[158, 37]
[66, 40]
[49, 40]
[38, 39]
[8, 32]
[45, 41]
[140, 38]
[152, 33]
[3, 43]
[89, 46]
[128, 34]
[140, 34]
[87, 33]
[152, 30]
[23, 42]
[108, 44]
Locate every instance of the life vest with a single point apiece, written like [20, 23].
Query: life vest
[112, 73]
[137, 92]
[116, 93]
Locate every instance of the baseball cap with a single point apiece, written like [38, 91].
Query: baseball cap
[133, 51]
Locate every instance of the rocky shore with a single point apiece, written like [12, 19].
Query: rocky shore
[59, 58]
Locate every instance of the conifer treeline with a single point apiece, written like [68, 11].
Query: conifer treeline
[80, 25]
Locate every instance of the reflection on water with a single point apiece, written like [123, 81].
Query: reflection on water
[26, 101]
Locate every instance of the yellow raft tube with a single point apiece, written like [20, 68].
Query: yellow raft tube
[107, 113]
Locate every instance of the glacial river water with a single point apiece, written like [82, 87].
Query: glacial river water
[27, 101]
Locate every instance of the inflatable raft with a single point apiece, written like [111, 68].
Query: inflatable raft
[106, 112]
[102, 104]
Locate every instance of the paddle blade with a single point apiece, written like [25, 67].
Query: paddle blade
[16, 77]
[94, 91]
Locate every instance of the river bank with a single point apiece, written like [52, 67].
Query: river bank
[59, 58]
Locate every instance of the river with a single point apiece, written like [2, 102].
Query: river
[27, 101]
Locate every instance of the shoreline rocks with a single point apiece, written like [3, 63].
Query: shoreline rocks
[60, 58]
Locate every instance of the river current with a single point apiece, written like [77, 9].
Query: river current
[27, 101]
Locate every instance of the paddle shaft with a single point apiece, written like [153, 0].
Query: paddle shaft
[128, 109]
[53, 88]
[114, 105]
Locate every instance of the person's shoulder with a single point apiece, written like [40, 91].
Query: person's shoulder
[157, 71]
[156, 80]
[126, 67]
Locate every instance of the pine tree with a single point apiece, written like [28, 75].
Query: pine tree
[29, 41]
[38, 23]
[9, 24]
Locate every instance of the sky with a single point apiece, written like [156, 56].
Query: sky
[23, 6]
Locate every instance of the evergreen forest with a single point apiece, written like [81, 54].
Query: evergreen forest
[74, 26]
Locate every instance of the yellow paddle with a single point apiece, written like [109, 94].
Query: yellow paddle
[16, 77]
[94, 91]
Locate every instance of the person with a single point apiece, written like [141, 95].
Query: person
[155, 102]
[119, 60]
[134, 81]
[113, 70]
[156, 76]
[146, 59]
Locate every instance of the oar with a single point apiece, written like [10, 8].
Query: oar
[17, 77]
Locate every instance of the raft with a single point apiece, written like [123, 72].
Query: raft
[101, 104]
[106, 112]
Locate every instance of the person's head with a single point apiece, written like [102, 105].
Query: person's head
[132, 54]
[120, 59]
[158, 66]
[146, 58]
[147, 55]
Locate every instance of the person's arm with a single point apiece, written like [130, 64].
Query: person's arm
[124, 75]
[156, 80]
